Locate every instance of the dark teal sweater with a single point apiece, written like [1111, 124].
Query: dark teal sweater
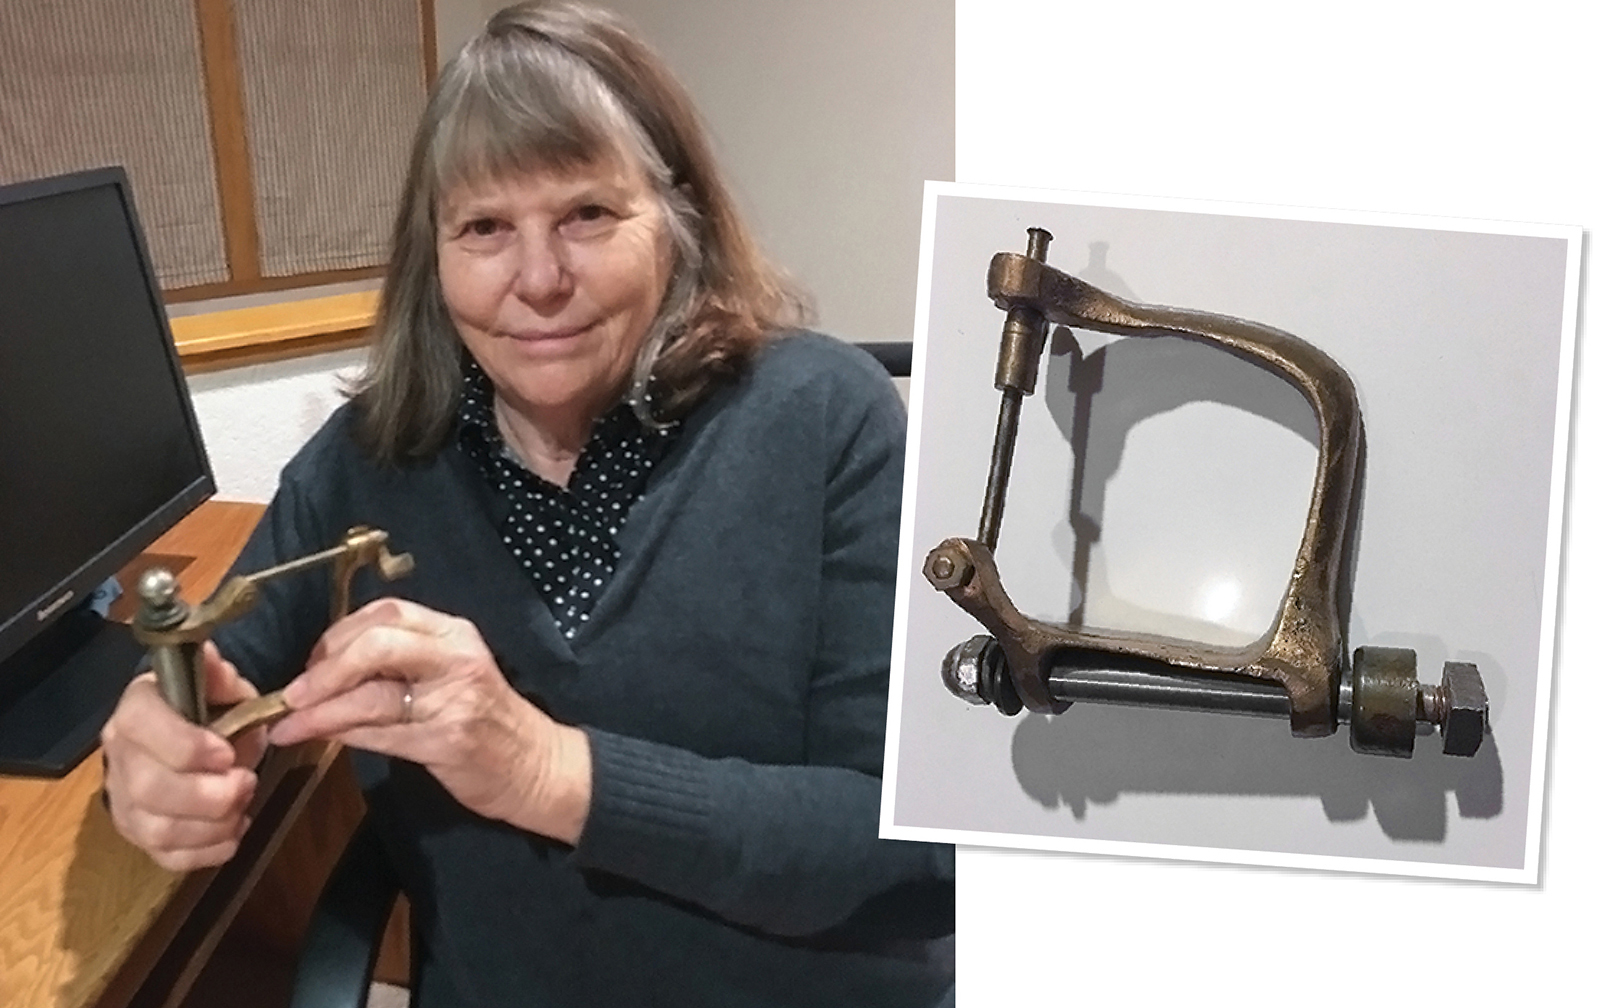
[733, 681]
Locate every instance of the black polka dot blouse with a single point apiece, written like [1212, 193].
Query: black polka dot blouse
[564, 537]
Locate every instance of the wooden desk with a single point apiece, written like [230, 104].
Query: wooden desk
[88, 920]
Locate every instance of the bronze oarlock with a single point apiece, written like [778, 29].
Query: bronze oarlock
[1298, 668]
[173, 632]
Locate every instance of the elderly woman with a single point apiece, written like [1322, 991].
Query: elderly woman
[622, 729]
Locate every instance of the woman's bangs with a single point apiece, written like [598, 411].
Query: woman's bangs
[504, 124]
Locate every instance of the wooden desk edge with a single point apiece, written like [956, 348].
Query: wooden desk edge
[215, 532]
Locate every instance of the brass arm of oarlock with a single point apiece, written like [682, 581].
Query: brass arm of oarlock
[173, 631]
[1298, 669]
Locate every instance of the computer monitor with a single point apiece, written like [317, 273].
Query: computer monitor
[100, 453]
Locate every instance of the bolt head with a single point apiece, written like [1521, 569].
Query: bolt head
[1464, 695]
[946, 568]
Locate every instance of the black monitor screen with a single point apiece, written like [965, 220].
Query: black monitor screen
[99, 448]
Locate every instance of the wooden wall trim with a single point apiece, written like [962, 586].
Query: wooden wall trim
[427, 36]
[268, 285]
[220, 64]
[226, 106]
[251, 335]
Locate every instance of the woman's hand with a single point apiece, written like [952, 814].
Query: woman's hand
[176, 790]
[407, 681]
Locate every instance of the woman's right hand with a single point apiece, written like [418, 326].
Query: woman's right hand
[176, 790]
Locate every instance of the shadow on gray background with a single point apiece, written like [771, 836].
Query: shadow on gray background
[1097, 399]
[1095, 753]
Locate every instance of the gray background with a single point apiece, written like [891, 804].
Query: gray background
[826, 117]
[1196, 477]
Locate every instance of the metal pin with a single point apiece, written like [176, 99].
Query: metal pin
[1016, 372]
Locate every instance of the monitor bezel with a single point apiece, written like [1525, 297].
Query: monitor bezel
[67, 594]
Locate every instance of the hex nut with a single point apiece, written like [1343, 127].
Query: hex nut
[963, 670]
[946, 569]
[1466, 719]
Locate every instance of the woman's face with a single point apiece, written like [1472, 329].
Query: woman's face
[552, 282]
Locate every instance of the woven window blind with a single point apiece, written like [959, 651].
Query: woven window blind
[86, 83]
[332, 91]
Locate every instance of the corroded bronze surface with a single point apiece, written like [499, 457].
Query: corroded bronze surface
[1302, 653]
[1386, 700]
[1303, 650]
[173, 633]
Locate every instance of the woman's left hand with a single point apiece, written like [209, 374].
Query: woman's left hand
[398, 678]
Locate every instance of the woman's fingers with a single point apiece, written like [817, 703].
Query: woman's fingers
[174, 788]
[160, 791]
[389, 638]
[225, 685]
[395, 613]
[143, 721]
[187, 844]
[403, 680]
[154, 828]
[372, 702]
[194, 859]
[378, 668]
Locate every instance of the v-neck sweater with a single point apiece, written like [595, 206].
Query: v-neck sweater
[564, 537]
[732, 681]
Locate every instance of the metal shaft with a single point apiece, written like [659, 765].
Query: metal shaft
[176, 664]
[299, 564]
[178, 678]
[1016, 371]
[1192, 691]
[1005, 443]
[1174, 690]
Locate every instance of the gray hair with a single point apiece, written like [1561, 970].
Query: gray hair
[559, 87]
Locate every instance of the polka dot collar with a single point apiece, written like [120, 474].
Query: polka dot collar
[564, 538]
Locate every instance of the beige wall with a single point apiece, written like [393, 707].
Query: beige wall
[457, 20]
[827, 116]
